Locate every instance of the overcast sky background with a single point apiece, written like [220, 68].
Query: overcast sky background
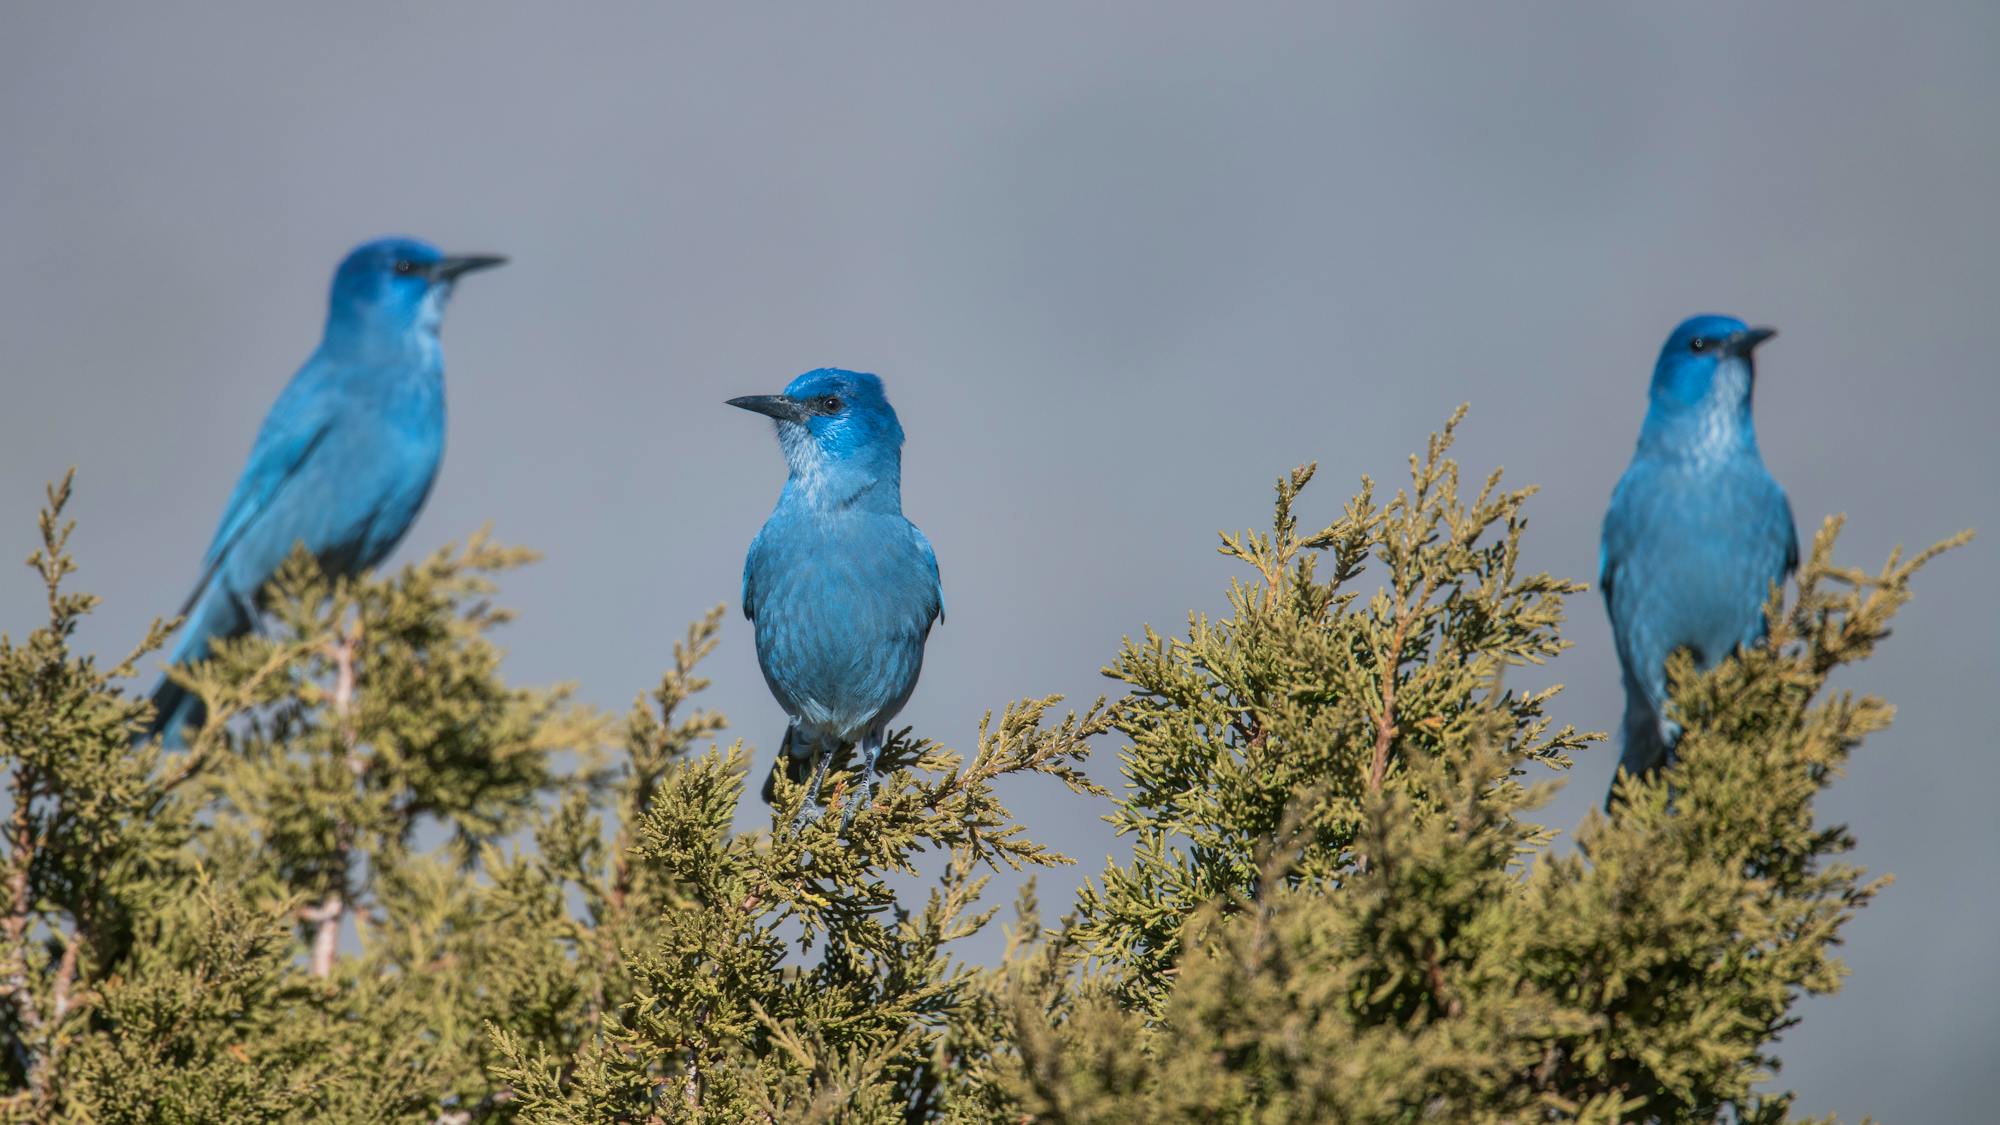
[1120, 264]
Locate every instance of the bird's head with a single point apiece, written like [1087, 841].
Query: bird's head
[833, 420]
[397, 285]
[1707, 363]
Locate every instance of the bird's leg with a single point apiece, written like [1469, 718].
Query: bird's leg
[871, 750]
[808, 810]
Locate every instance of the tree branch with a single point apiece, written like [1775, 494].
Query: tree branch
[66, 976]
[14, 927]
[1385, 723]
[326, 917]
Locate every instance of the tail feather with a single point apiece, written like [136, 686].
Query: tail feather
[1649, 742]
[796, 769]
[215, 615]
[795, 760]
[174, 709]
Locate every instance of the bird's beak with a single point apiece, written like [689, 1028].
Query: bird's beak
[458, 265]
[782, 408]
[1746, 341]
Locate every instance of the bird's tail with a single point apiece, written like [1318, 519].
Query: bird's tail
[215, 615]
[1649, 740]
[175, 708]
[795, 760]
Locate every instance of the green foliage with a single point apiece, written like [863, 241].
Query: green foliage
[381, 884]
[1384, 936]
[170, 945]
[1313, 689]
[776, 975]
[200, 1021]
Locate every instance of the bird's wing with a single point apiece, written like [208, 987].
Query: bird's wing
[1622, 522]
[1791, 535]
[930, 562]
[296, 426]
[750, 577]
[1613, 543]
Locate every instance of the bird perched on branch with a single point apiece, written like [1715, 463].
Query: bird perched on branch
[345, 457]
[841, 588]
[1697, 532]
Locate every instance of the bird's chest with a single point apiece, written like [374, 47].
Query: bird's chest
[379, 464]
[404, 433]
[837, 575]
[1703, 547]
[1701, 510]
[838, 606]
[391, 454]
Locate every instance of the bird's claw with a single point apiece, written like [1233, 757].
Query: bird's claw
[865, 796]
[809, 813]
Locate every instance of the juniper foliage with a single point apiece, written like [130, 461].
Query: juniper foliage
[1319, 699]
[382, 884]
[1338, 908]
[774, 975]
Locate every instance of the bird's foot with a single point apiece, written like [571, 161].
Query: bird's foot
[864, 795]
[809, 813]
[810, 810]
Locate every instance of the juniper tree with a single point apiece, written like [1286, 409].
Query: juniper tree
[1338, 907]
[365, 783]
[381, 884]
[136, 985]
[171, 938]
[775, 975]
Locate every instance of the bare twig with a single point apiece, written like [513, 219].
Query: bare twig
[332, 909]
[326, 938]
[1385, 723]
[65, 976]
[15, 926]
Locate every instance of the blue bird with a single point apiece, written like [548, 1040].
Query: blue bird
[346, 456]
[841, 588]
[1697, 532]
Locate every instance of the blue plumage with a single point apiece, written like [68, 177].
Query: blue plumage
[841, 588]
[1697, 532]
[345, 457]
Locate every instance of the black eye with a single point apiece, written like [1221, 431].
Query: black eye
[1698, 344]
[830, 404]
[405, 266]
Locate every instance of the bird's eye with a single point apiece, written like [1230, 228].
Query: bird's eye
[405, 266]
[830, 404]
[1698, 344]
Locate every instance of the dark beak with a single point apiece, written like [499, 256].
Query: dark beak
[772, 406]
[1746, 341]
[458, 265]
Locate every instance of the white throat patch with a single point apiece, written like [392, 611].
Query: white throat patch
[1720, 412]
[803, 456]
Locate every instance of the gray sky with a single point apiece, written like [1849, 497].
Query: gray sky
[1120, 266]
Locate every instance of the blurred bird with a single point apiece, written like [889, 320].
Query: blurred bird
[1697, 531]
[346, 456]
[841, 588]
